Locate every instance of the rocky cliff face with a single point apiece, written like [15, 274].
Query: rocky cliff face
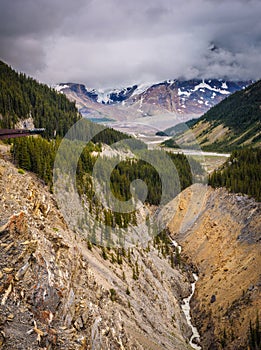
[56, 292]
[220, 234]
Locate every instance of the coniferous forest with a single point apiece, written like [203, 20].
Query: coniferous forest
[241, 173]
[37, 154]
[22, 97]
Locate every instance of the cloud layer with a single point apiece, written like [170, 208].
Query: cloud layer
[106, 43]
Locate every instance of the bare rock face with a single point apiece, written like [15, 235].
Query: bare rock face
[58, 293]
[224, 243]
[25, 124]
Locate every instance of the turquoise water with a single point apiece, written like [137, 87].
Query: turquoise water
[100, 120]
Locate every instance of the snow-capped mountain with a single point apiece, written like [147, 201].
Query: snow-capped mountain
[108, 96]
[188, 97]
[183, 97]
[156, 104]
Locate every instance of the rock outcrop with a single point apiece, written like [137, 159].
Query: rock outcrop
[58, 292]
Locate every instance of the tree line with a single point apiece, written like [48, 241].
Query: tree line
[241, 173]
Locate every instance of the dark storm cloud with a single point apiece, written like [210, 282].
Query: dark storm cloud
[112, 42]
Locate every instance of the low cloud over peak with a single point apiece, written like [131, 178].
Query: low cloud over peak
[109, 43]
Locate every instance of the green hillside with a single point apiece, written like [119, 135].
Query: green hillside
[233, 123]
[22, 97]
[241, 173]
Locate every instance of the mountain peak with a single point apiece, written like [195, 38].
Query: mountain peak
[201, 93]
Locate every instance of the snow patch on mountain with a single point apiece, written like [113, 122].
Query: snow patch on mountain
[186, 93]
[60, 87]
[142, 88]
[204, 85]
[103, 96]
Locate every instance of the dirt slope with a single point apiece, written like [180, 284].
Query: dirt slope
[223, 243]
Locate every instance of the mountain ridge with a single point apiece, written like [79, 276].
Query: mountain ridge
[181, 99]
[234, 122]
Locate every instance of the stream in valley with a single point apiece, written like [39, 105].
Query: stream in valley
[186, 308]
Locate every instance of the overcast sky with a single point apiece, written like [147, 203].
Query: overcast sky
[108, 43]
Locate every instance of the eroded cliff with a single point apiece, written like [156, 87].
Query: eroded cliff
[56, 292]
[220, 233]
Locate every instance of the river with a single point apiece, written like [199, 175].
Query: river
[186, 308]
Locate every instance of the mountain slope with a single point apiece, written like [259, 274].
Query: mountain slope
[241, 173]
[188, 97]
[25, 102]
[224, 244]
[234, 122]
[59, 292]
[185, 99]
